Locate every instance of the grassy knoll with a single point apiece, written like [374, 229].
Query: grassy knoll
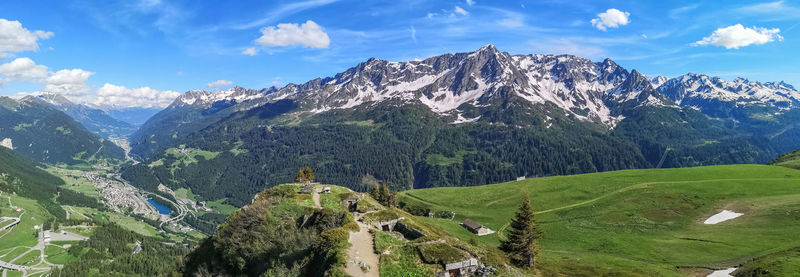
[333, 200]
[186, 156]
[650, 220]
[74, 180]
[119, 219]
[220, 207]
[185, 194]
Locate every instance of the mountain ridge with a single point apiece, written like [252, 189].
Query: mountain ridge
[450, 120]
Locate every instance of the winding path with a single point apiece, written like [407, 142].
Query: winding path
[362, 251]
[315, 197]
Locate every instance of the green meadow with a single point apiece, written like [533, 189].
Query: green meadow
[637, 222]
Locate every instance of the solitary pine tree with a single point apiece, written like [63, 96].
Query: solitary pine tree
[522, 238]
[384, 194]
[375, 192]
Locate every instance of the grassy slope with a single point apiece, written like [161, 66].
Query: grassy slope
[650, 220]
[790, 160]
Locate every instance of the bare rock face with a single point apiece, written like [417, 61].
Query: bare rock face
[7, 143]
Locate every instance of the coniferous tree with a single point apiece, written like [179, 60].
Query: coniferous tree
[375, 192]
[521, 244]
[384, 194]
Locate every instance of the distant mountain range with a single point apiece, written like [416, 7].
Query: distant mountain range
[463, 119]
[96, 120]
[35, 129]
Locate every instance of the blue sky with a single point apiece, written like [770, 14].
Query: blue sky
[155, 49]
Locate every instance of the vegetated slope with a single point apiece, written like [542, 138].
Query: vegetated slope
[279, 234]
[401, 146]
[109, 251]
[639, 222]
[791, 160]
[94, 120]
[47, 135]
[20, 175]
[456, 120]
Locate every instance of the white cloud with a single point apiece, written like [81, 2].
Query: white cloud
[308, 34]
[219, 83]
[460, 11]
[612, 18]
[72, 84]
[470, 2]
[511, 22]
[251, 51]
[277, 81]
[68, 82]
[23, 69]
[735, 36]
[15, 38]
[413, 34]
[122, 97]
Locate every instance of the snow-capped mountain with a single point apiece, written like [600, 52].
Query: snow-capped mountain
[704, 92]
[444, 83]
[96, 120]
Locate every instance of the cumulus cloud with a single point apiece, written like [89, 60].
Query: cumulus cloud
[735, 36]
[252, 51]
[308, 34]
[72, 84]
[122, 97]
[460, 11]
[22, 69]
[612, 18]
[219, 83]
[15, 38]
[68, 82]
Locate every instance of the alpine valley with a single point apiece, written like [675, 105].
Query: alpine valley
[466, 164]
[461, 119]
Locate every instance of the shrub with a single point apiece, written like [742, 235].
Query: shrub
[440, 253]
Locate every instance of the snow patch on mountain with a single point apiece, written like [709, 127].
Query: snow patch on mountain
[584, 89]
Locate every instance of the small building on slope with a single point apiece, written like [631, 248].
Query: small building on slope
[476, 228]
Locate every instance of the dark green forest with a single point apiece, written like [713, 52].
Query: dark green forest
[408, 146]
[47, 135]
[109, 252]
[20, 175]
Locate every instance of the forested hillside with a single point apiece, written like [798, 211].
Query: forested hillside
[405, 147]
[21, 176]
[461, 119]
[410, 146]
[47, 135]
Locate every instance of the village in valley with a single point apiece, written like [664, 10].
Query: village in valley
[32, 244]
